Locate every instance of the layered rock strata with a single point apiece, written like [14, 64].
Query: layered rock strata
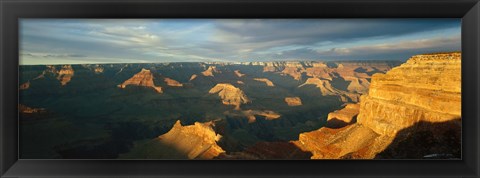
[197, 141]
[410, 102]
[144, 78]
[343, 116]
[230, 95]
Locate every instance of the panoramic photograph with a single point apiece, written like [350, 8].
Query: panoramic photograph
[240, 89]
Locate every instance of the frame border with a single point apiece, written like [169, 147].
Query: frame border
[11, 11]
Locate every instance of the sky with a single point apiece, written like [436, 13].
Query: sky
[81, 41]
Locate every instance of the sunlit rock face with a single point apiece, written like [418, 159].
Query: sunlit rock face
[173, 83]
[197, 141]
[210, 71]
[293, 101]
[230, 95]
[65, 74]
[328, 143]
[144, 78]
[24, 86]
[425, 88]
[265, 80]
[411, 110]
[343, 116]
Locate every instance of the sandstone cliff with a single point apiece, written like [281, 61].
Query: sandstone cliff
[197, 141]
[425, 88]
[343, 116]
[144, 78]
[230, 95]
[402, 108]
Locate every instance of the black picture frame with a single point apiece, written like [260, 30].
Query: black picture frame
[12, 10]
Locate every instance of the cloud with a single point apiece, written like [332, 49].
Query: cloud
[174, 40]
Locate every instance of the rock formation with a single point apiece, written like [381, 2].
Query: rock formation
[65, 74]
[173, 83]
[98, 69]
[265, 80]
[238, 73]
[24, 86]
[197, 141]
[326, 89]
[193, 77]
[251, 114]
[210, 71]
[343, 117]
[230, 94]
[293, 101]
[425, 89]
[144, 78]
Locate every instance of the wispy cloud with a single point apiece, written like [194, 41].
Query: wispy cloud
[171, 40]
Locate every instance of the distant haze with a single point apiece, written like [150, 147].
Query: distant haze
[79, 41]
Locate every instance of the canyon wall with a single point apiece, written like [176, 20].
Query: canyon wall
[425, 88]
[416, 104]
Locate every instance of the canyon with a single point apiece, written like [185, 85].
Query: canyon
[243, 110]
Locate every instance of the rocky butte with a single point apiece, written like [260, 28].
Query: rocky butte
[293, 101]
[210, 71]
[65, 74]
[197, 141]
[144, 78]
[173, 83]
[230, 95]
[266, 81]
[412, 111]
